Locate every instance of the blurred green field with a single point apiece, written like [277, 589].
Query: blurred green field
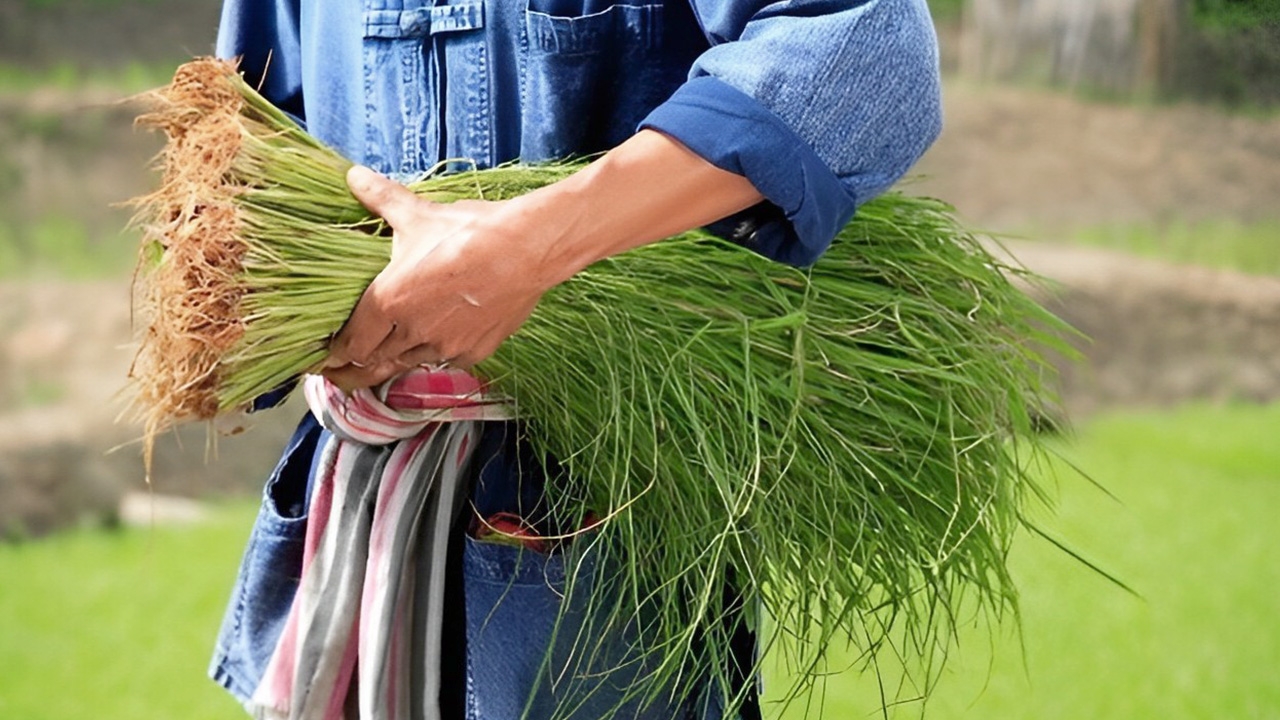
[1225, 244]
[59, 246]
[65, 76]
[1192, 531]
[66, 248]
[116, 625]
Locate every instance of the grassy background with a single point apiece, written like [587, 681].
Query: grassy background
[127, 78]
[121, 622]
[1192, 531]
[1225, 243]
[115, 625]
[58, 246]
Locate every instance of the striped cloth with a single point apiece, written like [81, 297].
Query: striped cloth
[362, 639]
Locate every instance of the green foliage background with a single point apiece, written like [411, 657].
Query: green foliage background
[1236, 13]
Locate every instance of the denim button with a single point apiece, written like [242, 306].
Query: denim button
[415, 22]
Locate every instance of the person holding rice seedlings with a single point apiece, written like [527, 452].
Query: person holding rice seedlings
[768, 123]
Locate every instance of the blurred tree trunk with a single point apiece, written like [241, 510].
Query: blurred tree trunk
[989, 37]
[1159, 24]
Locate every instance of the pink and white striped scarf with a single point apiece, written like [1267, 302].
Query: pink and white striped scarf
[387, 489]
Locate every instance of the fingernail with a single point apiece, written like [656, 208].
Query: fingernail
[360, 175]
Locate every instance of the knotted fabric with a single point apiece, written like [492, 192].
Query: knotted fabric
[363, 636]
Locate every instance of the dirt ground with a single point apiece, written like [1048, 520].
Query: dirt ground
[1035, 161]
[1011, 160]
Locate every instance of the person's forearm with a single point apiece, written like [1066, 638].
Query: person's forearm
[464, 277]
[648, 188]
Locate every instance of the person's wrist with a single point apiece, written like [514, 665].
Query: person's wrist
[549, 225]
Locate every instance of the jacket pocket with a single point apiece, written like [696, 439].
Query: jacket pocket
[269, 573]
[531, 630]
[591, 78]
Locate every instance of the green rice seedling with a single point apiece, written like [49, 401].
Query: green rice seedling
[835, 453]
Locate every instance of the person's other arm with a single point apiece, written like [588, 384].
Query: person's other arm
[822, 104]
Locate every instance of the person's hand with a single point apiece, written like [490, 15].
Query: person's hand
[458, 284]
[463, 277]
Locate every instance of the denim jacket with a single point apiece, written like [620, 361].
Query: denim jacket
[822, 104]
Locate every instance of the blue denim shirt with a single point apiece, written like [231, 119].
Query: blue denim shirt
[821, 104]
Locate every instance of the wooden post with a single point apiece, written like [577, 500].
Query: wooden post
[1159, 22]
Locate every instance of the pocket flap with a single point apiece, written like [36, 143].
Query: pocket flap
[415, 19]
[635, 25]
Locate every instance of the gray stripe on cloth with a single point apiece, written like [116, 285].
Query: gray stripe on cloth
[338, 578]
[384, 651]
[446, 505]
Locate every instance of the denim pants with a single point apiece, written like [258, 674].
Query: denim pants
[504, 603]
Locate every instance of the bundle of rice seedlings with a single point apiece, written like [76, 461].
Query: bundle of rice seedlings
[838, 452]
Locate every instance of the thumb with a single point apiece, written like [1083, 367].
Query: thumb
[383, 196]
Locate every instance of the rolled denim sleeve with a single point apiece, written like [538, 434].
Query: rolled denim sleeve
[822, 105]
[265, 36]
